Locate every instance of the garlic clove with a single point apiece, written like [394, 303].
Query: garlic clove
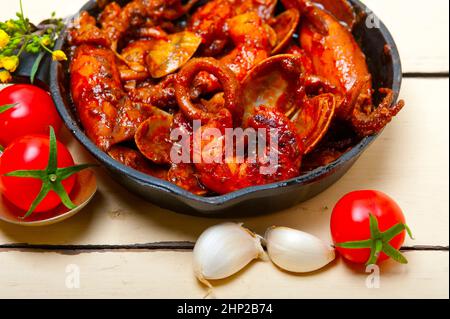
[297, 251]
[224, 250]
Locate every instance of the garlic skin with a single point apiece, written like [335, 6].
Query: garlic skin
[297, 251]
[223, 250]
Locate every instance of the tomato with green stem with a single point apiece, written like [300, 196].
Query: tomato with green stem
[369, 227]
[37, 174]
[26, 109]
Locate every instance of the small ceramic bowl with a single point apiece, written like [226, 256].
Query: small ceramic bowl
[82, 194]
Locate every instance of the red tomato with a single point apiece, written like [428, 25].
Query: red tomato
[34, 113]
[350, 222]
[32, 153]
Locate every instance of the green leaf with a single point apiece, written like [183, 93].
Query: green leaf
[374, 228]
[375, 252]
[35, 67]
[28, 174]
[394, 254]
[356, 244]
[64, 173]
[7, 107]
[393, 232]
[408, 230]
[46, 188]
[53, 154]
[1, 149]
[61, 191]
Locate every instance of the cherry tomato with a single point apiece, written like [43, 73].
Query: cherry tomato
[350, 222]
[34, 112]
[32, 153]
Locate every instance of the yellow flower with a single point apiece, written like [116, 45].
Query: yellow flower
[10, 63]
[10, 25]
[46, 41]
[59, 55]
[5, 77]
[4, 39]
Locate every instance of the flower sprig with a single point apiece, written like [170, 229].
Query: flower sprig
[19, 35]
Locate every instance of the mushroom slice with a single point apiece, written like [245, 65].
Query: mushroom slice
[167, 56]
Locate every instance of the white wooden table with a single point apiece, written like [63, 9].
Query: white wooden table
[125, 247]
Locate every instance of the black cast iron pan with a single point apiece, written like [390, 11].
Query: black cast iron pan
[386, 71]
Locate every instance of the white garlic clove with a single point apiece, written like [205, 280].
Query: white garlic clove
[224, 250]
[297, 251]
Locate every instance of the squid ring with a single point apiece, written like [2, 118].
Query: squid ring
[226, 77]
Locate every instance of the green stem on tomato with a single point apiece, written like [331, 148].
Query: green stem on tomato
[380, 242]
[7, 107]
[51, 177]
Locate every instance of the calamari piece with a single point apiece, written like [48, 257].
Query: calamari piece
[160, 94]
[113, 23]
[106, 112]
[137, 161]
[252, 45]
[337, 57]
[233, 174]
[264, 8]
[185, 176]
[209, 22]
[85, 31]
[342, 10]
[149, 33]
[116, 21]
[167, 56]
[215, 104]
[371, 122]
[153, 138]
[294, 49]
[285, 26]
[227, 79]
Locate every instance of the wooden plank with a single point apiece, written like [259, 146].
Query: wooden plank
[154, 275]
[409, 162]
[420, 30]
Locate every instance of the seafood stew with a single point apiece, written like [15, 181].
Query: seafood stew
[141, 70]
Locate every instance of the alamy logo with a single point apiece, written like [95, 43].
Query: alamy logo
[73, 277]
[373, 281]
[372, 21]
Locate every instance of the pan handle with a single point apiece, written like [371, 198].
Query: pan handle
[23, 72]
